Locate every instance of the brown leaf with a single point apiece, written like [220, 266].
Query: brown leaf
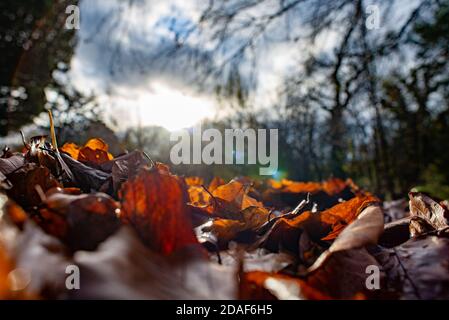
[122, 268]
[194, 181]
[259, 285]
[433, 214]
[17, 215]
[320, 226]
[417, 269]
[349, 211]
[226, 201]
[342, 274]
[256, 260]
[395, 233]
[365, 230]
[81, 221]
[25, 180]
[11, 164]
[154, 203]
[325, 194]
[71, 149]
[348, 253]
[94, 152]
[86, 178]
[249, 220]
[121, 169]
[215, 183]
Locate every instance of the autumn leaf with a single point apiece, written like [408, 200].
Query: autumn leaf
[25, 181]
[215, 183]
[243, 229]
[94, 152]
[17, 215]
[348, 211]
[11, 164]
[84, 177]
[226, 201]
[154, 203]
[348, 253]
[260, 285]
[81, 221]
[426, 214]
[122, 268]
[417, 269]
[71, 149]
[194, 181]
[320, 226]
[325, 194]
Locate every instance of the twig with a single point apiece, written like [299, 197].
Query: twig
[212, 196]
[24, 140]
[148, 157]
[52, 132]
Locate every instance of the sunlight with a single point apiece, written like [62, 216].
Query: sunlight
[172, 109]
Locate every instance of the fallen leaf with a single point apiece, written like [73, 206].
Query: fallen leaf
[417, 269]
[93, 153]
[71, 149]
[194, 181]
[122, 268]
[320, 226]
[433, 214]
[395, 233]
[259, 285]
[25, 180]
[81, 221]
[86, 178]
[154, 203]
[348, 253]
[325, 194]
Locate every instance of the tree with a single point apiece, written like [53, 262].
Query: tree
[34, 44]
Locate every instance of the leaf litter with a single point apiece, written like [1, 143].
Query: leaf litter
[136, 230]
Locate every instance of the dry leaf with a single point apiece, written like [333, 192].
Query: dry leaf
[154, 203]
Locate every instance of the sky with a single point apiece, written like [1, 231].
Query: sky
[120, 59]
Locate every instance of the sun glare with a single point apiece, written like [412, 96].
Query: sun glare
[172, 109]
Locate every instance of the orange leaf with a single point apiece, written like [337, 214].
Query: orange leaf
[81, 221]
[348, 211]
[215, 183]
[95, 151]
[89, 155]
[155, 204]
[194, 181]
[97, 144]
[16, 213]
[72, 149]
[268, 286]
[5, 269]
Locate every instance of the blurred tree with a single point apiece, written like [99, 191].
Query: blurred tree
[33, 44]
[417, 100]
